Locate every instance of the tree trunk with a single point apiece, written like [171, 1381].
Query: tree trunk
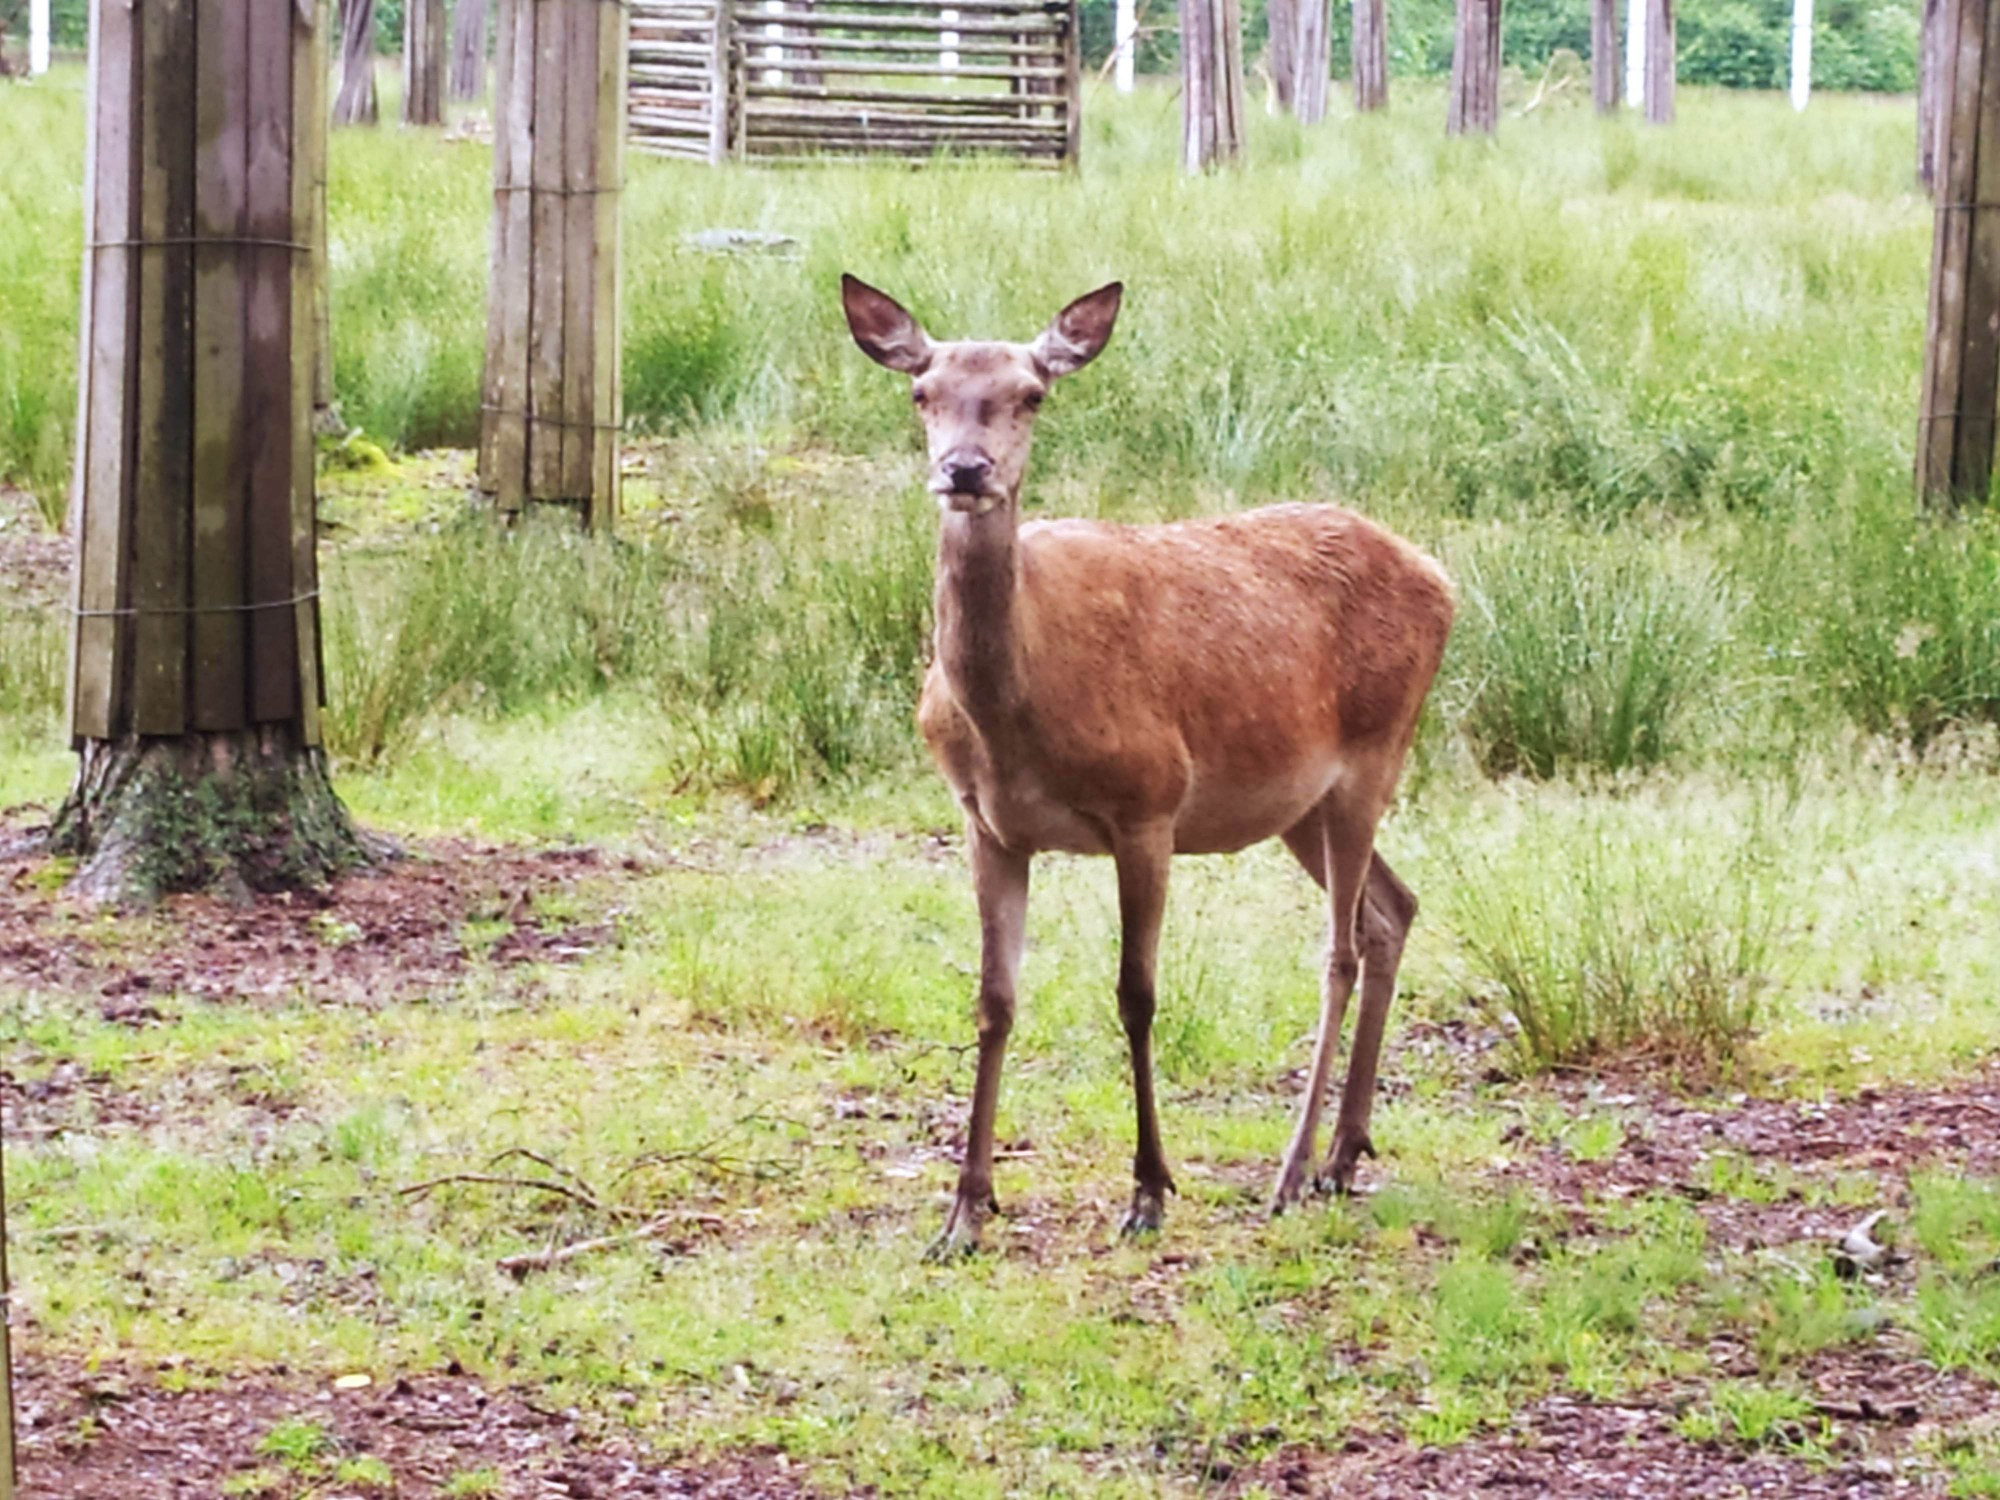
[1660, 61]
[236, 811]
[356, 103]
[468, 50]
[1961, 379]
[1604, 75]
[196, 685]
[1211, 83]
[1475, 70]
[1312, 60]
[1371, 56]
[551, 405]
[1281, 47]
[423, 62]
[1930, 92]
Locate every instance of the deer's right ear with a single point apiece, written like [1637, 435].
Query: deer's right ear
[882, 327]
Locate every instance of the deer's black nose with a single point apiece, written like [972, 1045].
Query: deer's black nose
[969, 475]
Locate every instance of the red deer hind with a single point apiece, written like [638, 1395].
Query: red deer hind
[1146, 691]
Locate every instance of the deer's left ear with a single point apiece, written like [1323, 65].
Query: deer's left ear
[1079, 332]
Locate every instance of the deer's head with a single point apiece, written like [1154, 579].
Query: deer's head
[978, 399]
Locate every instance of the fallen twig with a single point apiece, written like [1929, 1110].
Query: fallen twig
[520, 1265]
[491, 1179]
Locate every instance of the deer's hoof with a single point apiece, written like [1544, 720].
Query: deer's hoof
[1292, 1180]
[1144, 1216]
[1336, 1174]
[960, 1237]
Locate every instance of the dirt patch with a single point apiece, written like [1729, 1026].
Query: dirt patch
[1562, 1447]
[34, 561]
[409, 928]
[118, 1435]
[1763, 1172]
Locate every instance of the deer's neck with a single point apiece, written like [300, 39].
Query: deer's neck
[979, 615]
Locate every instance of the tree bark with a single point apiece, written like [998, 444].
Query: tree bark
[1660, 62]
[1281, 49]
[1961, 378]
[552, 406]
[195, 687]
[1312, 60]
[1605, 78]
[1371, 56]
[468, 50]
[239, 811]
[356, 103]
[423, 62]
[1930, 92]
[1475, 70]
[1211, 83]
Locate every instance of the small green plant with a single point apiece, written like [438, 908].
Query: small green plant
[295, 1441]
[471, 1484]
[1757, 1416]
[367, 1473]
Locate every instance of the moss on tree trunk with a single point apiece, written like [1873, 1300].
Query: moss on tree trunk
[248, 810]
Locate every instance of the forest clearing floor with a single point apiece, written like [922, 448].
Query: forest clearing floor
[718, 1088]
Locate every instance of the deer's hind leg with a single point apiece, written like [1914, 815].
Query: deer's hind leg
[1336, 843]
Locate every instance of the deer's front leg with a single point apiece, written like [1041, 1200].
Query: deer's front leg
[1142, 899]
[1000, 879]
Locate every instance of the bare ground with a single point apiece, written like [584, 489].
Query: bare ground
[121, 1435]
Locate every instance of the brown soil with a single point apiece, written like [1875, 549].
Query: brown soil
[395, 932]
[117, 1435]
[34, 561]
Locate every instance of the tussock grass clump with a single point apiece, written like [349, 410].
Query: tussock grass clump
[1908, 641]
[778, 647]
[1576, 653]
[1654, 933]
[34, 652]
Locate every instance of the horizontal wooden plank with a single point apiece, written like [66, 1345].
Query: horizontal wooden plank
[983, 99]
[799, 63]
[923, 10]
[865, 141]
[699, 52]
[676, 125]
[1046, 45]
[768, 119]
[827, 20]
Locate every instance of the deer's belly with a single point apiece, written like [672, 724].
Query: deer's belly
[1022, 816]
[1224, 814]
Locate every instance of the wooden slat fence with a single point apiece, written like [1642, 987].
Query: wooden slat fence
[791, 80]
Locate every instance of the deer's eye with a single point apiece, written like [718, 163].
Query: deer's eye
[1033, 401]
[917, 395]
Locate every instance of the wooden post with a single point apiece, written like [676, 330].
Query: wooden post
[1802, 39]
[312, 156]
[1125, 36]
[1962, 337]
[1312, 60]
[1930, 90]
[1211, 83]
[1370, 56]
[552, 406]
[1604, 75]
[7, 1472]
[195, 688]
[423, 62]
[1475, 70]
[1635, 53]
[38, 37]
[356, 103]
[1660, 62]
[1281, 45]
[467, 79]
[1072, 54]
[721, 115]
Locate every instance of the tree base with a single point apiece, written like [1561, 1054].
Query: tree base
[238, 812]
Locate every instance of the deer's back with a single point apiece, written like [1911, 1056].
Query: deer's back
[1216, 670]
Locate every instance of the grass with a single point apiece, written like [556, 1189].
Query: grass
[1705, 794]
